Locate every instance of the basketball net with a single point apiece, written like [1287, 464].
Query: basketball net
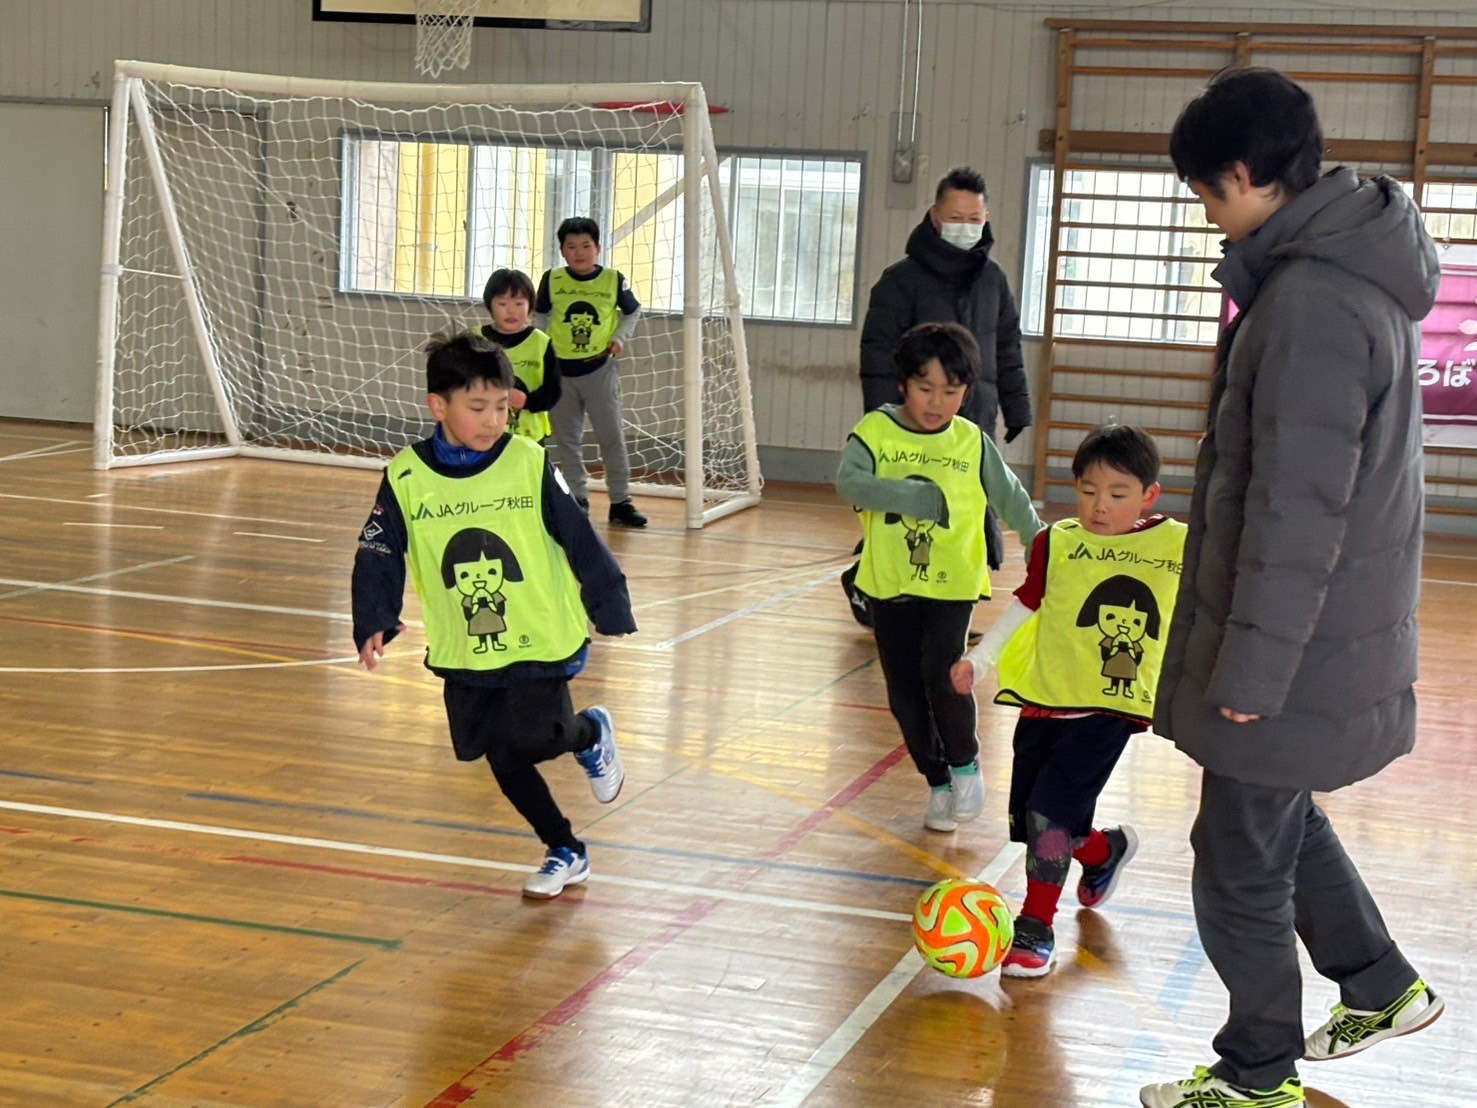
[443, 35]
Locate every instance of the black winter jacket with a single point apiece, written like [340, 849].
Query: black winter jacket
[939, 283]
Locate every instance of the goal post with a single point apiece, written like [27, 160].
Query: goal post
[277, 250]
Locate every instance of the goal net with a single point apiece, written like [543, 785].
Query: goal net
[277, 251]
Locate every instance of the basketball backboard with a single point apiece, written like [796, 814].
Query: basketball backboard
[583, 15]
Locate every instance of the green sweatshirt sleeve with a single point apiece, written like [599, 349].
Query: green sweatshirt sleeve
[1006, 494]
[859, 486]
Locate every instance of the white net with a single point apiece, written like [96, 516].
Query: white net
[327, 237]
[443, 35]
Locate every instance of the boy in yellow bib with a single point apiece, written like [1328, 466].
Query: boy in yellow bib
[508, 297]
[921, 475]
[590, 314]
[1079, 652]
[506, 566]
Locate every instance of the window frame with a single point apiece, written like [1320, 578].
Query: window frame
[351, 140]
[1031, 299]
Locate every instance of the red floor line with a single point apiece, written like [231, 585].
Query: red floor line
[527, 1040]
[494, 1065]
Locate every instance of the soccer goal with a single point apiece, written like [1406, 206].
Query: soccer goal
[277, 250]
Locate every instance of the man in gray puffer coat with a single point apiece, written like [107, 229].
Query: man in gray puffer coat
[1291, 658]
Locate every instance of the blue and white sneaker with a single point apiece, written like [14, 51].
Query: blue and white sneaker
[602, 761]
[561, 867]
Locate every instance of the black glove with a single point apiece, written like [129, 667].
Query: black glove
[1012, 432]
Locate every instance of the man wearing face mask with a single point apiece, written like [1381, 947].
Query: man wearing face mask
[949, 277]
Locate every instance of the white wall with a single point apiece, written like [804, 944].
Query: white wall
[807, 75]
[51, 182]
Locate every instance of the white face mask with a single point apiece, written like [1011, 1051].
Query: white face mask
[962, 235]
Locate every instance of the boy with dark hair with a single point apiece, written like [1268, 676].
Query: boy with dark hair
[1079, 650]
[1291, 660]
[590, 314]
[921, 476]
[498, 550]
[508, 297]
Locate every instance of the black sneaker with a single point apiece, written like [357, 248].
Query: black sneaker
[1098, 882]
[583, 503]
[625, 514]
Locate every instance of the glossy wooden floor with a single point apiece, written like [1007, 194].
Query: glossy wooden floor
[236, 870]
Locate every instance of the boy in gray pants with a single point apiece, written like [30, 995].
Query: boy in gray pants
[589, 313]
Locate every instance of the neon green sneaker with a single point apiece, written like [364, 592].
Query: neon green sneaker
[1206, 1090]
[1349, 1030]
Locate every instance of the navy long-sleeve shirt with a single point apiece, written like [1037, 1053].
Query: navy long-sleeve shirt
[380, 566]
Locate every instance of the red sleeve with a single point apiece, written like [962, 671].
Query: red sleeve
[1034, 586]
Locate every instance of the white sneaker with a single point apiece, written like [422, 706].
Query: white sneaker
[940, 815]
[1349, 1031]
[969, 791]
[561, 867]
[602, 762]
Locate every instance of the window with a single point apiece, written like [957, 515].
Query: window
[433, 219]
[1135, 256]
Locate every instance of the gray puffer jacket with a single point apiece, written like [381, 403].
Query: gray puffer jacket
[1302, 563]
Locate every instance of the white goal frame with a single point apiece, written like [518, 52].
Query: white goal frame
[701, 170]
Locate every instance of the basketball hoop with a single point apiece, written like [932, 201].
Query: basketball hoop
[443, 35]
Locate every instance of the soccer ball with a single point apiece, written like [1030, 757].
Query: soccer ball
[962, 928]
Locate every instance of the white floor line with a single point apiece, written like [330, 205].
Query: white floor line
[118, 526]
[100, 576]
[223, 667]
[284, 538]
[829, 1055]
[759, 606]
[114, 506]
[52, 451]
[677, 892]
[164, 598]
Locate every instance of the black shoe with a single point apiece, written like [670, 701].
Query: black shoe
[583, 503]
[625, 514]
[973, 638]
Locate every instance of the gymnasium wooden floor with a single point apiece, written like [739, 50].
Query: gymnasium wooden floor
[237, 870]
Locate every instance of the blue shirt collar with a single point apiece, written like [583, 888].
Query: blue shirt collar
[457, 457]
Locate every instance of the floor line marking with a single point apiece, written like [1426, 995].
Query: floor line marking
[102, 576]
[698, 892]
[194, 917]
[830, 1053]
[748, 610]
[284, 538]
[251, 1028]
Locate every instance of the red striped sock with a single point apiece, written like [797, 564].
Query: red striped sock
[1041, 901]
[1095, 851]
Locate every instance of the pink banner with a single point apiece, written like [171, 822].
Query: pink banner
[1448, 363]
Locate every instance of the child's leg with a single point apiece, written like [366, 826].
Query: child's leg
[899, 632]
[603, 401]
[568, 418]
[944, 625]
[515, 728]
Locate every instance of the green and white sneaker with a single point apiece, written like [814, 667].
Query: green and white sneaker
[1349, 1031]
[1206, 1090]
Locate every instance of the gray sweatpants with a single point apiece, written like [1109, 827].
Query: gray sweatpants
[597, 394]
[1268, 864]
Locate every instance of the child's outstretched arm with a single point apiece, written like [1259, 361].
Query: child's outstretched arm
[543, 398]
[859, 486]
[1006, 494]
[379, 577]
[986, 653]
[603, 589]
[543, 306]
